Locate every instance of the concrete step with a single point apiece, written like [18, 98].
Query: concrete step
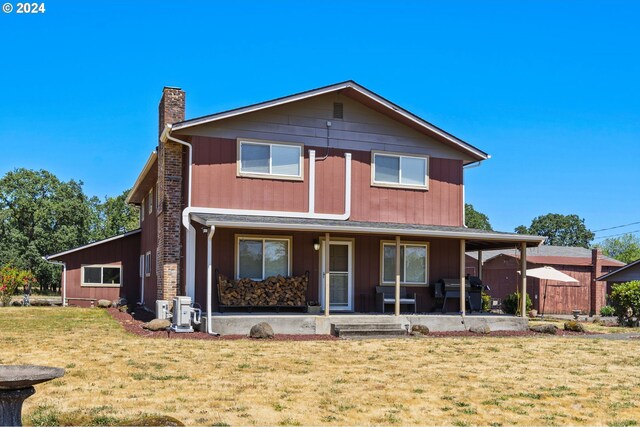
[366, 326]
[354, 330]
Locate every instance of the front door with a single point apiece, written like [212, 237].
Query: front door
[340, 275]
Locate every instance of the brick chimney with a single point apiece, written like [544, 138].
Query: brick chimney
[598, 289]
[169, 192]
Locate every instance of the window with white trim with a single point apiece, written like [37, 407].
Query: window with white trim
[101, 275]
[150, 201]
[258, 258]
[270, 159]
[413, 263]
[399, 170]
[142, 210]
[147, 264]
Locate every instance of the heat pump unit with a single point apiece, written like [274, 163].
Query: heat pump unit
[162, 309]
[184, 315]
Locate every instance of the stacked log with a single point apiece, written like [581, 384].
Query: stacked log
[273, 291]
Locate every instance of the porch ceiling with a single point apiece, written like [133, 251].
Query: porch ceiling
[475, 239]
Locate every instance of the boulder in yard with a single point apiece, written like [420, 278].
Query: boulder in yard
[573, 326]
[420, 329]
[261, 330]
[157, 325]
[17, 303]
[119, 302]
[40, 303]
[545, 328]
[104, 303]
[480, 329]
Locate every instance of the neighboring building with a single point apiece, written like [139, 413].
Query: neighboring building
[500, 271]
[259, 191]
[623, 274]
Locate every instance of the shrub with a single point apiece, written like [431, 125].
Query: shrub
[510, 304]
[607, 310]
[11, 279]
[625, 300]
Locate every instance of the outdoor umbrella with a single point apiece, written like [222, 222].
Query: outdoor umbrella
[549, 273]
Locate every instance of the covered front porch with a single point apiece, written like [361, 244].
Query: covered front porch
[345, 262]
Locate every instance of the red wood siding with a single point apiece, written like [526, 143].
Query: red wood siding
[215, 184]
[149, 243]
[443, 263]
[123, 251]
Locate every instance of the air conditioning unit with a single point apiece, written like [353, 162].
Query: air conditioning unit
[184, 315]
[162, 309]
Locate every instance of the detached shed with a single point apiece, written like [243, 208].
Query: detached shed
[108, 269]
[500, 271]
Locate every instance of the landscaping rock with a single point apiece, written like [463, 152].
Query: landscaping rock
[420, 329]
[119, 302]
[480, 329]
[123, 308]
[574, 326]
[40, 303]
[104, 303]
[16, 303]
[157, 325]
[545, 328]
[261, 330]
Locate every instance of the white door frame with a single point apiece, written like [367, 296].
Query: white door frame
[350, 244]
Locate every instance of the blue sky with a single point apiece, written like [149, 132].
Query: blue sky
[549, 88]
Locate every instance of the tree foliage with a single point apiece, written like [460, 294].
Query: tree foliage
[625, 248]
[41, 215]
[560, 230]
[475, 219]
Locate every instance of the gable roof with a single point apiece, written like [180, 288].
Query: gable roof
[358, 93]
[99, 242]
[555, 255]
[629, 268]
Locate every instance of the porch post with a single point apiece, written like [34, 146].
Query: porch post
[523, 279]
[326, 274]
[397, 305]
[480, 264]
[463, 297]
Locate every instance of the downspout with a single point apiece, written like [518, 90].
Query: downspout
[64, 278]
[210, 234]
[191, 231]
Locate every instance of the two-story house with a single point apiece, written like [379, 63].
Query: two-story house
[335, 187]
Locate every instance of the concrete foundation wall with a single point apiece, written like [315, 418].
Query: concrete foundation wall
[311, 324]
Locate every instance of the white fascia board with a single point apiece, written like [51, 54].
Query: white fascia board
[145, 170]
[374, 230]
[99, 242]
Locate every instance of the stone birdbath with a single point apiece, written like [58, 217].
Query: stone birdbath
[16, 385]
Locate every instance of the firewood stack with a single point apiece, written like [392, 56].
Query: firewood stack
[273, 291]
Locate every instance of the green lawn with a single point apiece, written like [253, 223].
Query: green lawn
[114, 377]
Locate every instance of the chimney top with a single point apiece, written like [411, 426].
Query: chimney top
[171, 108]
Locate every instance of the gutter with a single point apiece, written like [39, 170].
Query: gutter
[64, 278]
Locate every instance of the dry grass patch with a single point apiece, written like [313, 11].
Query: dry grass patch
[112, 375]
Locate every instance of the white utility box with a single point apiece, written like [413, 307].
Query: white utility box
[162, 309]
[184, 314]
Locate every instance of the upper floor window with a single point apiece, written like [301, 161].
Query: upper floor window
[150, 201]
[101, 275]
[142, 210]
[399, 170]
[261, 159]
